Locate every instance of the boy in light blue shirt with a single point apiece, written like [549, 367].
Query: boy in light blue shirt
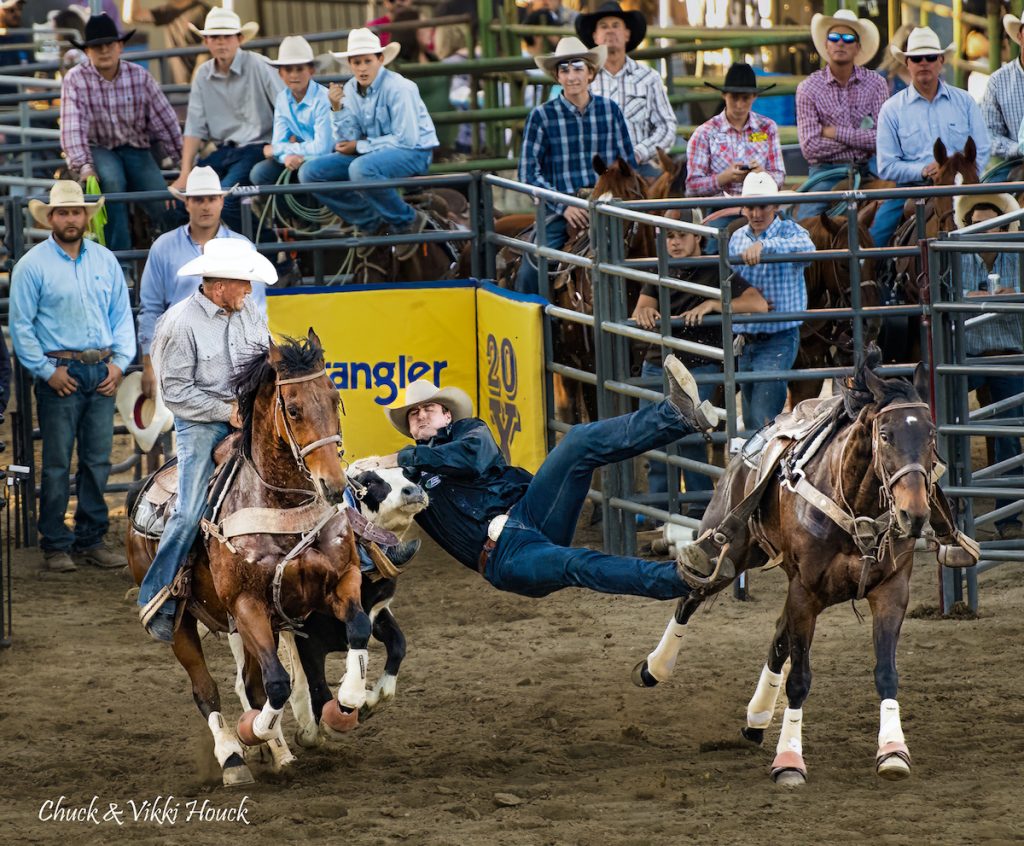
[302, 115]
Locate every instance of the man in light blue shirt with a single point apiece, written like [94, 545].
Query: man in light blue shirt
[161, 286]
[71, 324]
[910, 122]
[302, 115]
[383, 131]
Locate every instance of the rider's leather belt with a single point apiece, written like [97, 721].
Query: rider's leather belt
[84, 356]
[758, 336]
[494, 530]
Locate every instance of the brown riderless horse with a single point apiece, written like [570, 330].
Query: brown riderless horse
[279, 547]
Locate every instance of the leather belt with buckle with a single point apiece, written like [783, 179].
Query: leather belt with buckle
[494, 529]
[84, 356]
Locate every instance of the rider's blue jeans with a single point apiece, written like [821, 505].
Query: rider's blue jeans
[195, 443]
[233, 165]
[555, 235]
[762, 401]
[533, 556]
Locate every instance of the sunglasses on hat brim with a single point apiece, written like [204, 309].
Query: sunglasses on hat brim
[844, 37]
[931, 57]
[572, 64]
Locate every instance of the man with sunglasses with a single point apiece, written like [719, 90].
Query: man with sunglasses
[837, 107]
[561, 139]
[911, 121]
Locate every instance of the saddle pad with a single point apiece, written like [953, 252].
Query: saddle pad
[163, 486]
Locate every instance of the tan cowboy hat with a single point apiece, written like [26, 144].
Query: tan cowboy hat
[202, 182]
[221, 21]
[363, 42]
[231, 258]
[63, 194]
[965, 202]
[572, 48]
[1012, 24]
[923, 41]
[294, 50]
[146, 419]
[456, 400]
[821, 25]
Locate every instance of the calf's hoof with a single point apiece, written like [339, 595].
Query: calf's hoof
[246, 734]
[892, 761]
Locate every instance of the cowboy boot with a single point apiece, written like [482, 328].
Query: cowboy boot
[683, 395]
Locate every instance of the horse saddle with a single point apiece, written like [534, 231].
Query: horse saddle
[763, 452]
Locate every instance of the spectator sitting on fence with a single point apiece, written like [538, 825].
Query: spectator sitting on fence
[769, 346]
[735, 142]
[391, 9]
[837, 106]
[383, 131]
[636, 89]
[232, 105]
[1003, 103]
[992, 334]
[71, 324]
[691, 309]
[113, 118]
[910, 122]
[178, 20]
[302, 115]
[161, 286]
[561, 138]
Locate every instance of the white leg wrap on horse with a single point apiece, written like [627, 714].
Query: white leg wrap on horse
[238, 650]
[890, 730]
[662, 661]
[761, 707]
[302, 706]
[225, 743]
[267, 723]
[790, 739]
[279, 750]
[352, 691]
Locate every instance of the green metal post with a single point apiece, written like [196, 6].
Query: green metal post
[488, 49]
[959, 72]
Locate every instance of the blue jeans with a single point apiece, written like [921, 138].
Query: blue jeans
[657, 472]
[233, 165]
[762, 401]
[87, 417]
[556, 234]
[1001, 172]
[129, 169]
[195, 467]
[533, 556]
[367, 209]
[1000, 388]
[266, 172]
[887, 220]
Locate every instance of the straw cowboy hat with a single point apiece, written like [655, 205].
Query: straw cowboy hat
[963, 204]
[866, 31]
[146, 419]
[99, 30]
[740, 79]
[1012, 24]
[294, 50]
[202, 182]
[572, 48]
[225, 22]
[231, 258]
[923, 41]
[363, 42]
[634, 21]
[64, 194]
[456, 400]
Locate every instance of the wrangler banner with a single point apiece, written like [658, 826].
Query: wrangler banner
[379, 338]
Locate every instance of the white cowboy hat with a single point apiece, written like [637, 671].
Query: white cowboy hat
[759, 184]
[965, 202]
[1012, 24]
[821, 25]
[221, 21]
[231, 258]
[456, 400]
[363, 42]
[202, 182]
[146, 419]
[923, 41]
[63, 194]
[294, 50]
[572, 48]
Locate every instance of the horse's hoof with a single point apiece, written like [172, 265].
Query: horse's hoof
[893, 761]
[335, 722]
[641, 676]
[308, 737]
[788, 769]
[245, 730]
[238, 776]
[789, 778]
[753, 735]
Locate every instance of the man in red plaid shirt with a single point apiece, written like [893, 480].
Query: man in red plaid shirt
[112, 113]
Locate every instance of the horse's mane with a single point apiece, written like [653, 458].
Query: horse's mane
[857, 395]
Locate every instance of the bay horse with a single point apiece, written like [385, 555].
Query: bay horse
[839, 511]
[292, 553]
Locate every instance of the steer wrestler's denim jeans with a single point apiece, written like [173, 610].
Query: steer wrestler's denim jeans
[533, 556]
[195, 467]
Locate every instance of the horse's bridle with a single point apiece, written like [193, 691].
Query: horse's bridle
[299, 453]
[889, 479]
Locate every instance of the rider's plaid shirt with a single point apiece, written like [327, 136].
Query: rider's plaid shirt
[639, 92]
[1005, 332]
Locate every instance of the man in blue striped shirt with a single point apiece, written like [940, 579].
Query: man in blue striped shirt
[769, 346]
[561, 139]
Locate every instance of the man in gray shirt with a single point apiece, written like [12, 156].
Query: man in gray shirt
[232, 105]
[198, 346]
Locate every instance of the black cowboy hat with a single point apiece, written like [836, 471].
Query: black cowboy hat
[740, 80]
[99, 30]
[634, 21]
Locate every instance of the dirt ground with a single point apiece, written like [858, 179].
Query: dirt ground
[530, 698]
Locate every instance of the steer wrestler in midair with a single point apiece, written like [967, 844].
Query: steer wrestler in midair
[515, 529]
